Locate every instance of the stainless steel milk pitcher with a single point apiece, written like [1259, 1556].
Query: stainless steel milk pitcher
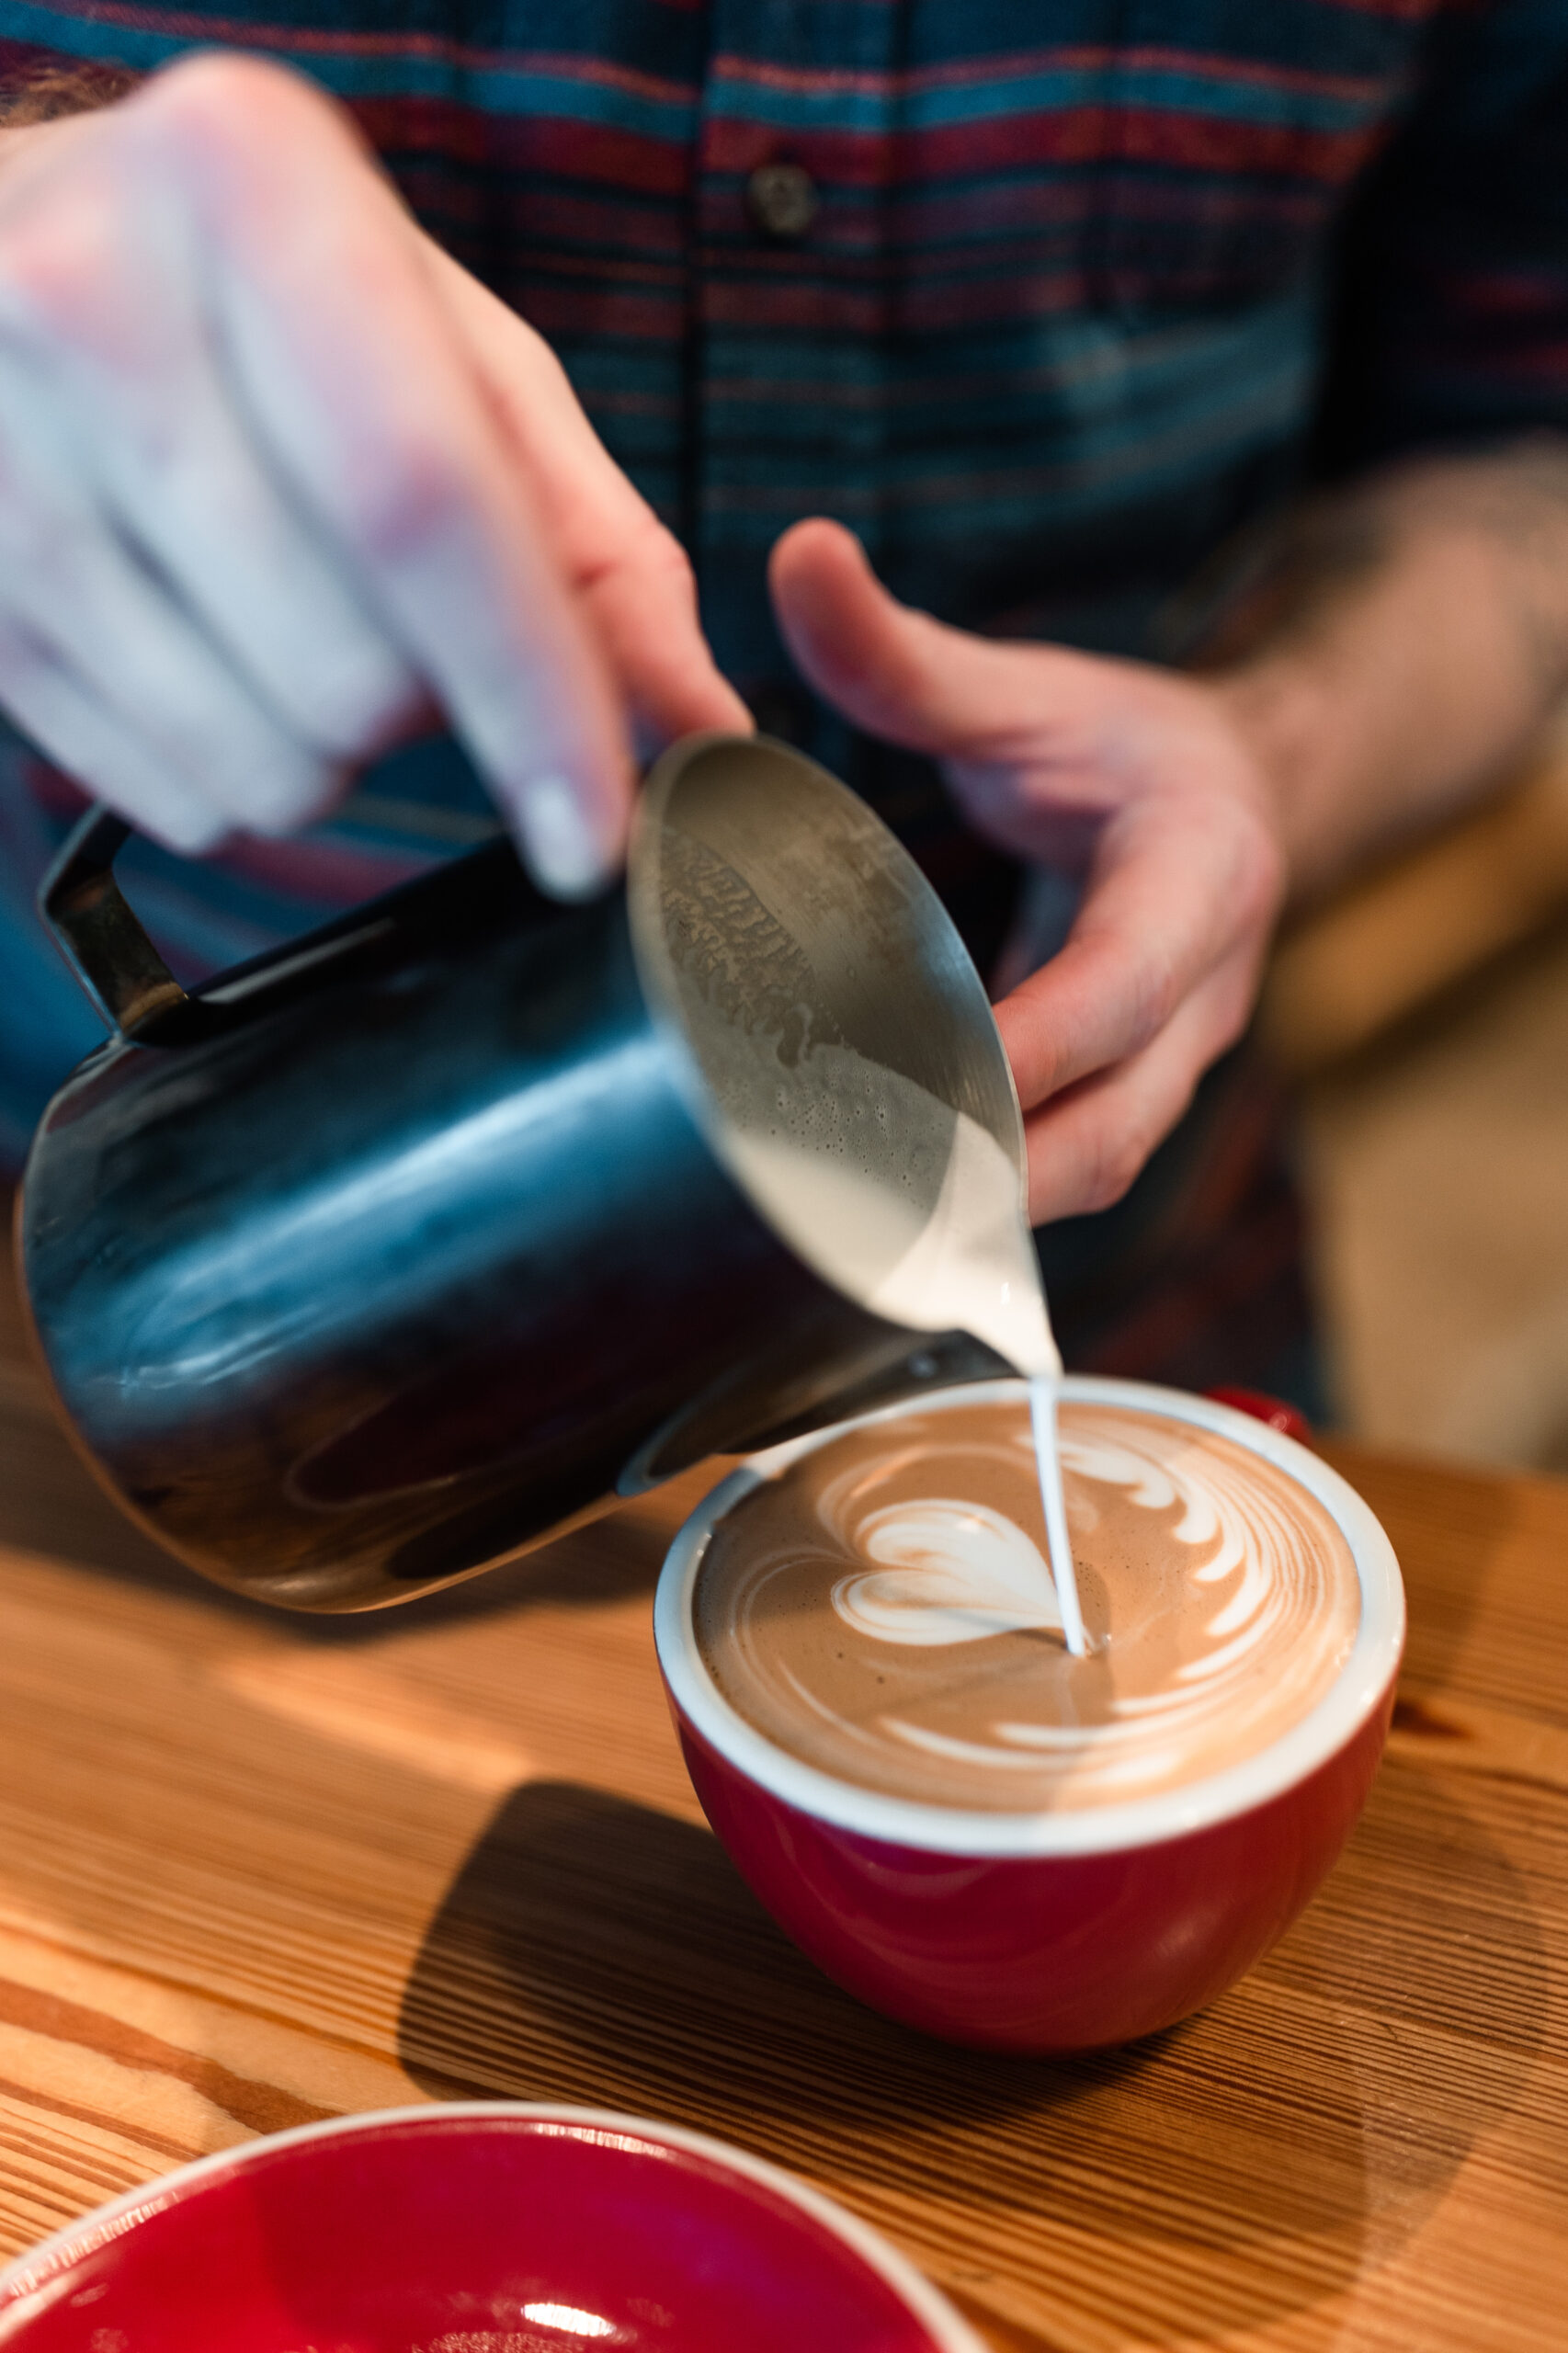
[415, 1242]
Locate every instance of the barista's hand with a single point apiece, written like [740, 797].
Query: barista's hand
[1136, 781]
[277, 477]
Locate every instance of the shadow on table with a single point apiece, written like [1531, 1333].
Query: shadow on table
[594, 1949]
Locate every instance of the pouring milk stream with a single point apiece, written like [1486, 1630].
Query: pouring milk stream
[969, 1265]
[905, 1202]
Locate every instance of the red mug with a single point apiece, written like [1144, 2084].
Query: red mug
[1051, 1931]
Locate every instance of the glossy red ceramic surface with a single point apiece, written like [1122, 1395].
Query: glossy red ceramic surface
[1276, 1411]
[1039, 1952]
[442, 2230]
[1063, 1930]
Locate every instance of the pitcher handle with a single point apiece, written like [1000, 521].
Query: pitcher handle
[98, 933]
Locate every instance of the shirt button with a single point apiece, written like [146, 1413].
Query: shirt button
[781, 200]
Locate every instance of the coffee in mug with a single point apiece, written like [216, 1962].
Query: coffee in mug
[883, 1608]
[966, 1827]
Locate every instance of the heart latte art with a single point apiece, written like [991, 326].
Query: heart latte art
[883, 1609]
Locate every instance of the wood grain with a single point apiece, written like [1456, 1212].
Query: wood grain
[255, 1869]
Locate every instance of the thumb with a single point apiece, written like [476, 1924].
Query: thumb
[898, 673]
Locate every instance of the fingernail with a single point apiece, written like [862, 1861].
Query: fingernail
[565, 856]
[189, 827]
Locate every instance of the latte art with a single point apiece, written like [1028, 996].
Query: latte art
[884, 1609]
[962, 1572]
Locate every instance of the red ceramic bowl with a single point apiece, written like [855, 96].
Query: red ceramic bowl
[1044, 1932]
[437, 2230]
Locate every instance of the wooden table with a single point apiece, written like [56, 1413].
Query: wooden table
[256, 1869]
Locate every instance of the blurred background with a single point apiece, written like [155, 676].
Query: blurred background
[1422, 1018]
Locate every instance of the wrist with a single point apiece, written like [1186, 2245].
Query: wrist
[1277, 708]
[1387, 700]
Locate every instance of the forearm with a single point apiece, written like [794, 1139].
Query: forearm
[56, 90]
[1419, 636]
[29, 107]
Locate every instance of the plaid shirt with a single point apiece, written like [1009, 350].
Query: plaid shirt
[1071, 306]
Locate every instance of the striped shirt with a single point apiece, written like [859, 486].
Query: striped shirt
[1085, 288]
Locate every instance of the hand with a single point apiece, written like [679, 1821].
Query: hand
[277, 477]
[1137, 781]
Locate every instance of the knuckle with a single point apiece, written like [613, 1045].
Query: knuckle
[186, 826]
[221, 96]
[1248, 850]
[405, 490]
[667, 562]
[350, 706]
[1155, 995]
[60, 270]
[647, 555]
[1110, 1170]
[280, 804]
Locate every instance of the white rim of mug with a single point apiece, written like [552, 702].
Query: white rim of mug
[28, 2279]
[1357, 1690]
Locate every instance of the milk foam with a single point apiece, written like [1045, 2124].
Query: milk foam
[962, 1262]
[884, 1612]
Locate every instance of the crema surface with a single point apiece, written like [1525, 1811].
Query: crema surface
[884, 1609]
